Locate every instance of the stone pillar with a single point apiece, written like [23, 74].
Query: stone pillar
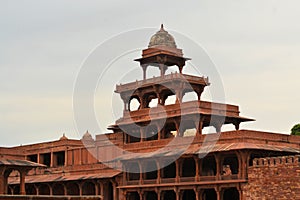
[141, 193]
[22, 182]
[158, 172]
[218, 193]
[197, 168]
[177, 163]
[66, 157]
[218, 163]
[51, 159]
[144, 67]
[141, 173]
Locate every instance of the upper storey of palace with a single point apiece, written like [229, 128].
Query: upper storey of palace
[162, 53]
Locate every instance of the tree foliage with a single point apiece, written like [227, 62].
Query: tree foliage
[295, 130]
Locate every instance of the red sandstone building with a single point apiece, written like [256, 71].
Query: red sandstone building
[162, 151]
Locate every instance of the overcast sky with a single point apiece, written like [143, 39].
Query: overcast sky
[255, 46]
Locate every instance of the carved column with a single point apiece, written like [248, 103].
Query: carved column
[144, 67]
[177, 163]
[218, 163]
[197, 168]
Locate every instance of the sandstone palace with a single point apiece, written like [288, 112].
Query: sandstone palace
[157, 149]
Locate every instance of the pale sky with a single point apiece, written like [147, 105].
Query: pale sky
[255, 46]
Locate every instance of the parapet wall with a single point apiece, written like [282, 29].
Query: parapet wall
[273, 178]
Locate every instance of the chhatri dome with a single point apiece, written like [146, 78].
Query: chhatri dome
[162, 38]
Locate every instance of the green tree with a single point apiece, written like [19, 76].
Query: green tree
[295, 130]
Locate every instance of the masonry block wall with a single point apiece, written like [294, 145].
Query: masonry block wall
[273, 178]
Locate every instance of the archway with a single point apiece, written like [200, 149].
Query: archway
[169, 171]
[72, 188]
[209, 166]
[230, 165]
[88, 188]
[188, 167]
[30, 189]
[150, 195]
[231, 194]
[44, 189]
[168, 195]
[188, 195]
[209, 194]
[58, 189]
[133, 171]
[150, 170]
[132, 196]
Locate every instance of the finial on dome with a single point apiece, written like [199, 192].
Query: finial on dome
[63, 137]
[162, 27]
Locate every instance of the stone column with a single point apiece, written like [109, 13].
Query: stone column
[177, 163]
[144, 67]
[218, 163]
[197, 168]
[22, 182]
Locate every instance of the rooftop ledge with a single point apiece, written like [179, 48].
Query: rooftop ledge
[163, 79]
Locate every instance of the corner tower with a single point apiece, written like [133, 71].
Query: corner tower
[162, 121]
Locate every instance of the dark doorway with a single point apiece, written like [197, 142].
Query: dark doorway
[88, 188]
[132, 196]
[73, 189]
[231, 194]
[189, 195]
[169, 195]
[151, 195]
[209, 194]
[58, 189]
[169, 171]
[188, 167]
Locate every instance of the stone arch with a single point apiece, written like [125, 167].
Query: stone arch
[168, 195]
[209, 194]
[231, 194]
[230, 164]
[133, 170]
[151, 133]
[188, 167]
[190, 96]
[147, 98]
[150, 195]
[169, 171]
[58, 189]
[188, 194]
[44, 189]
[31, 189]
[88, 188]
[72, 188]
[150, 169]
[209, 166]
[132, 196]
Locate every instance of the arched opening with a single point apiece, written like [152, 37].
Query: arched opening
[188, 167]
[151, 133]
[209, 194]
[150, 195]
[110, 191]
[188, 128]
[133, 135]
[132, 196]
[9, 190]
[170, 100]
[172, 69]
[169, 171]
[30, 189]
[133, 171]
[72, 188]
[16, 189]
[189, 194]
[150, 170]
[147, 98]
[88, 188]
[58, 189]
[190, 96]
[169, 130]
[230, 165]
[209, 166]
[231, 194]
[134, 104]
[153, 71]
[44, 189]
[168, 195]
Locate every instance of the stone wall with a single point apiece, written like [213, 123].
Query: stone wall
[273, 178]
